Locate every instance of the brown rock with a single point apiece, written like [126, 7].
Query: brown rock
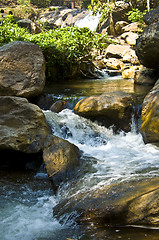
[129, 73]
[115, 64]
[22, 125]
[150, 116]
[116, 50]
[60, 158]
[132, 27]
[126, 203]
[22, 69]
[58, 106]
[110, 108]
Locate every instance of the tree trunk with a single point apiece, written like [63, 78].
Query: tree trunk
[111, 23]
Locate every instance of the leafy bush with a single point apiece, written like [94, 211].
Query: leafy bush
[136, 15]
[62, 47]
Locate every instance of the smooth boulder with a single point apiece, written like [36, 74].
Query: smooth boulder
[113, 108]
[61, 158]
[150, 116]
[22, 69]
[126, 203]
[147, 46]
[22, 125]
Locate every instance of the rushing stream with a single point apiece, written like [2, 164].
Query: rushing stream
[27, 198]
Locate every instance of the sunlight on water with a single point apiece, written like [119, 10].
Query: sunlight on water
[118, 157]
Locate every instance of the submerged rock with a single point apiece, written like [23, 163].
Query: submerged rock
[22, 125]
[147, 46]
[22, 69]
[60, 158]
[111, 108]
[150, 116]
[126, 203]
[58, 106]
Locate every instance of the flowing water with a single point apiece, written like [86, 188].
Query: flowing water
[90, 21]
[27, 198]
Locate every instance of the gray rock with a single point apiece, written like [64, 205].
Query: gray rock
[152, 16]
[147, 46]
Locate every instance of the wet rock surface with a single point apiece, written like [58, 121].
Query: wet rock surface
[150, 116]
[127, 203]
[60, 158]
[114, 108]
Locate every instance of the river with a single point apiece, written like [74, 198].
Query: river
[27, 198]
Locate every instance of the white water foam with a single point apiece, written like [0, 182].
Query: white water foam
[90, 21]
[118, 157]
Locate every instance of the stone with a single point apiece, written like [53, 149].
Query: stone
[116, 50]
[151, 16]
[147, 46]
[150, 116]
[118, 27]
[60, 157]
[132, 27]
[115, 64]
[146, 76]
[130, 38]
[22, 69]
[129, 56]
[58, 106]
[113, 108]
[29, 25]
[129, 73]
[22, 125]
[126, 203]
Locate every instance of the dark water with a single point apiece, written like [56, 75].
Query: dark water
[27, 197]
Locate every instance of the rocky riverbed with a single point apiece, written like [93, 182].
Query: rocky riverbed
[26, 128]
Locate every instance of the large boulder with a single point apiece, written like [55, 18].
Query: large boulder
[109, 108]
[150, 116]
[147, 46]
[22, 69]
[60, 158]
[151, 16]
[126, 203]
[22, 125]
[145, 76]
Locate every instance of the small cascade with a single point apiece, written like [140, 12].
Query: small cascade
[90, 21]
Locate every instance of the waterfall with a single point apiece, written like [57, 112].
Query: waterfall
[90, 21]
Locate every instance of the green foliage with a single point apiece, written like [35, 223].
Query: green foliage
[136, 15]
[61, 47]
[41, 3]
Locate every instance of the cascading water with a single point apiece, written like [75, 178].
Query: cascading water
[27, 199]
[90, 21]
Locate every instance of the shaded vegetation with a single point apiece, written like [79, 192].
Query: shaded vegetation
[62, 48]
